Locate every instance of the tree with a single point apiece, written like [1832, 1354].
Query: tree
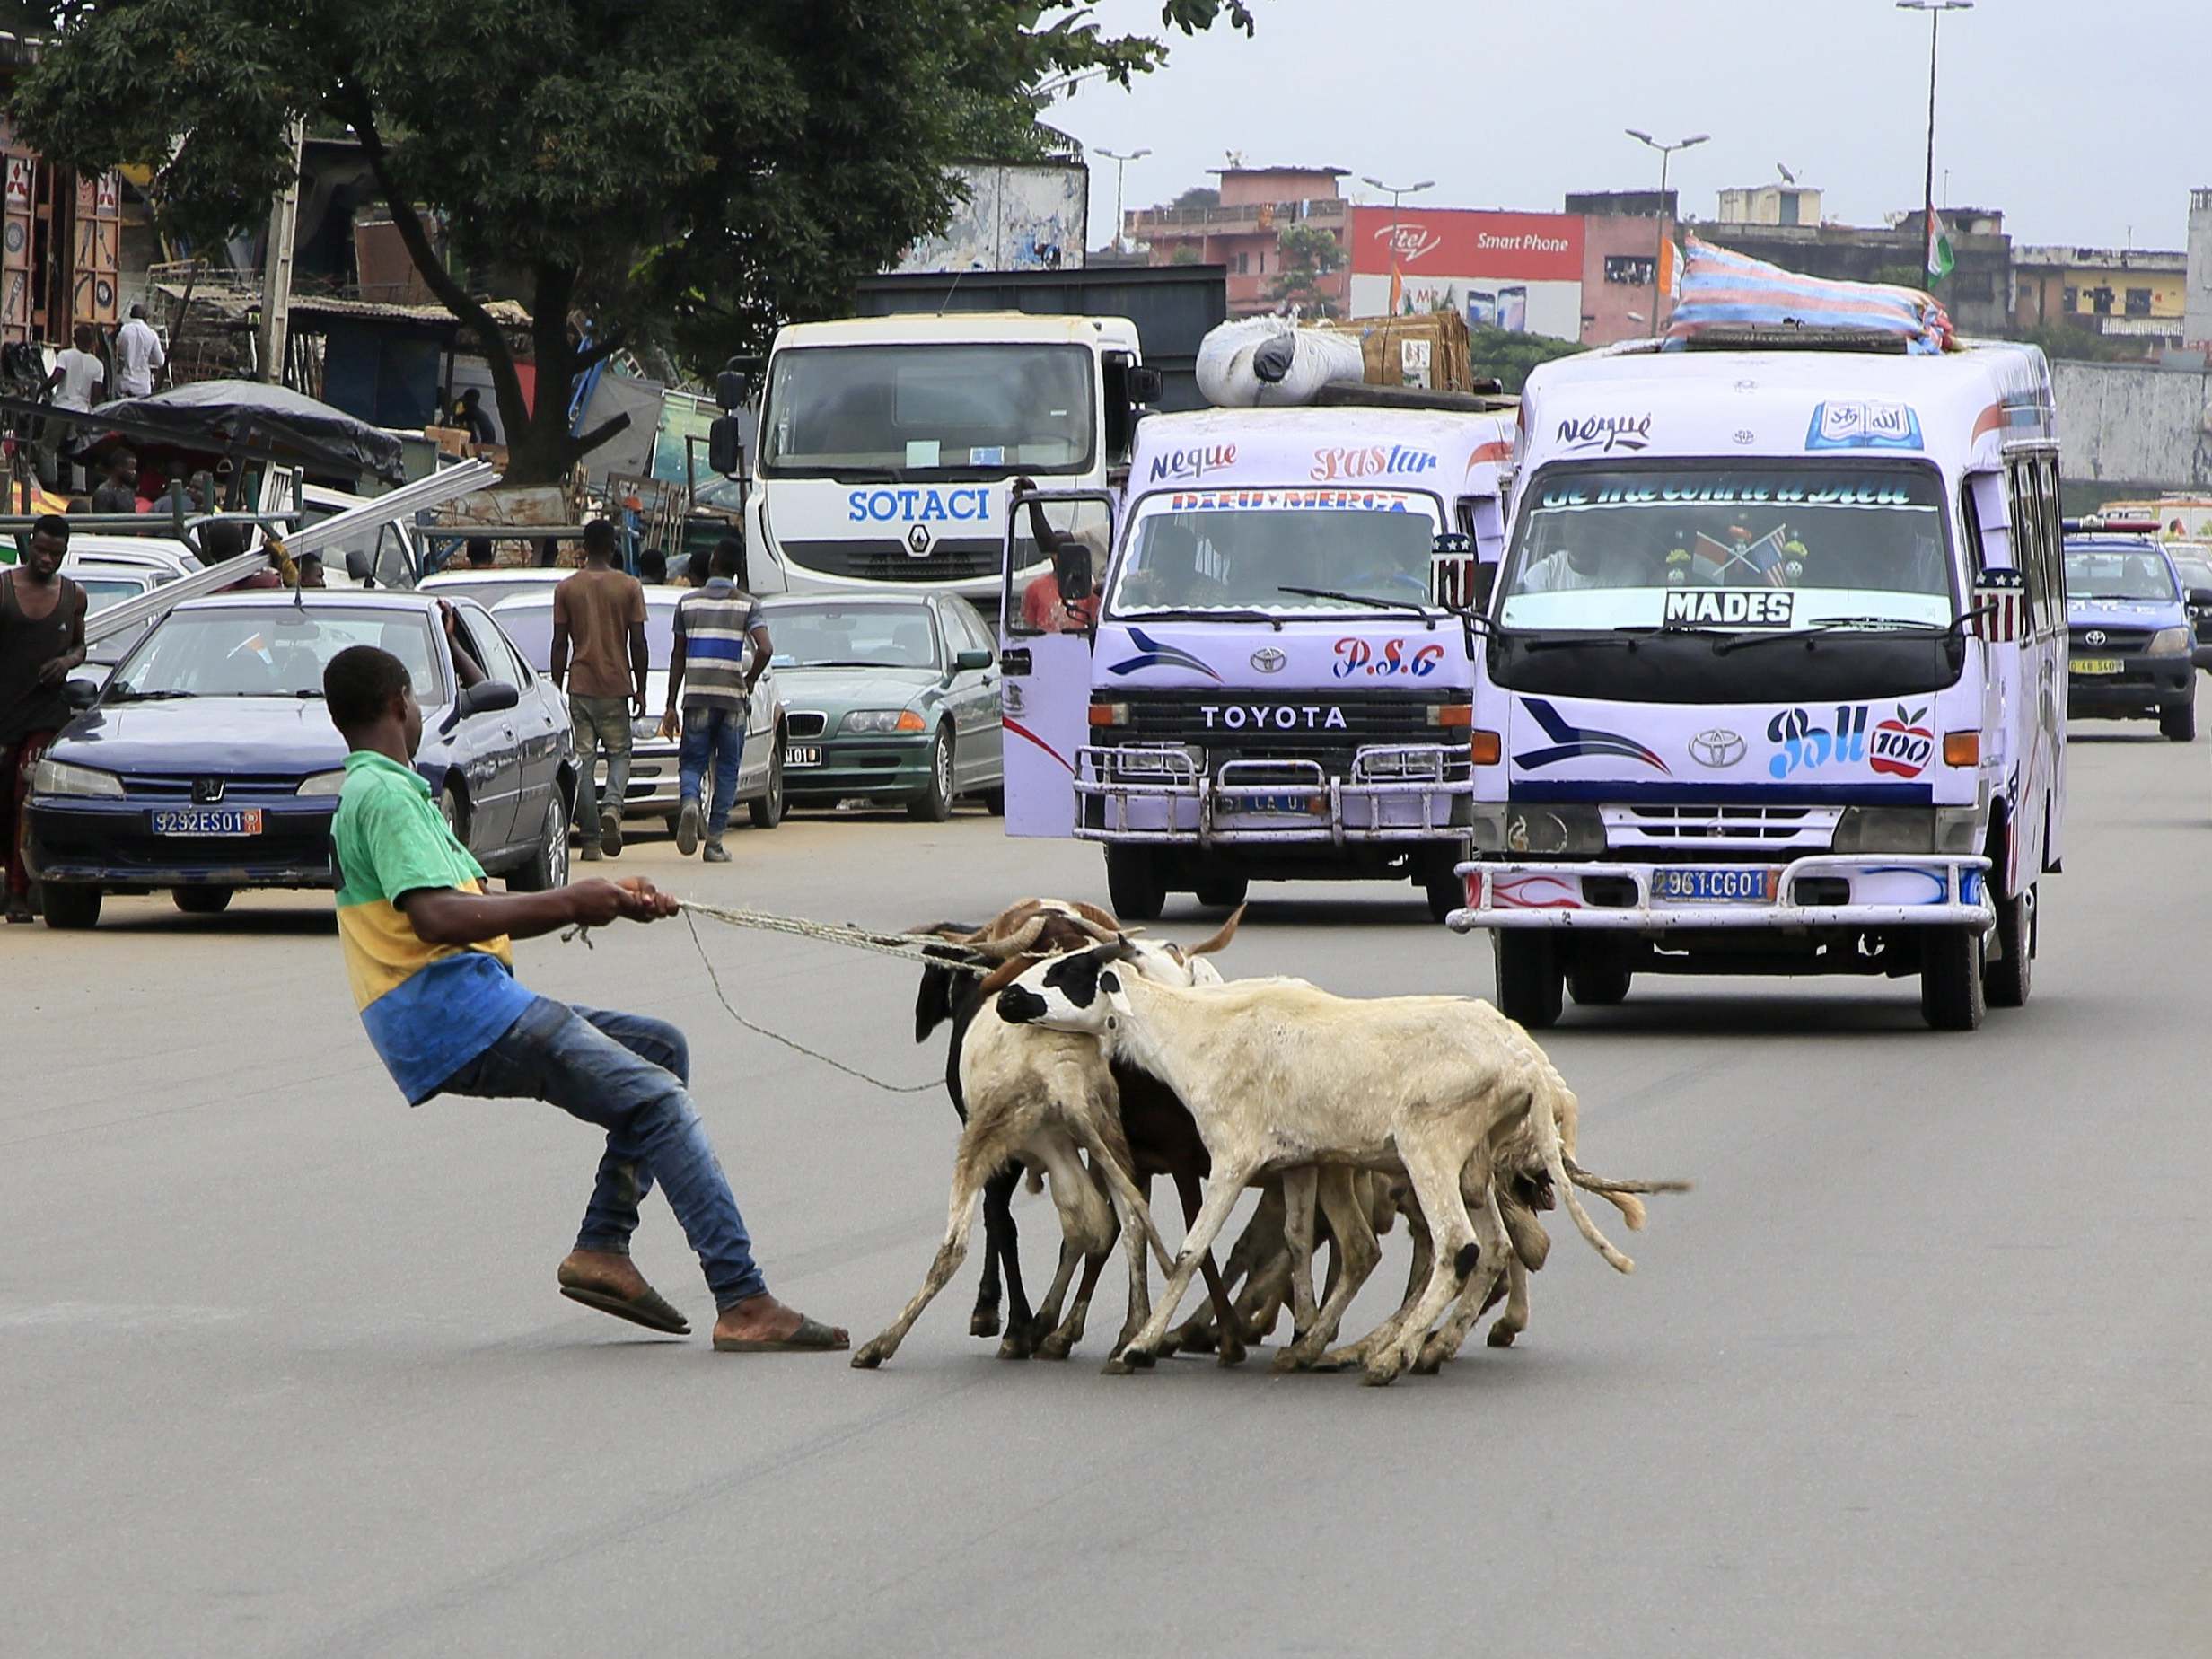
[1309, 254]
[694, 171]
[1510, 356]
[1198, 196]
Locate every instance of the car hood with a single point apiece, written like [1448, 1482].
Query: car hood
[854, 688]
[206, 733]
[2126, 613]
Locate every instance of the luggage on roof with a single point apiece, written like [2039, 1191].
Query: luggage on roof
[1729, 293]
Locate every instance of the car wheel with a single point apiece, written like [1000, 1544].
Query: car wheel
[934, 805]
[455, 812]
[69, 905]
[1951, 968]
[995, 802]
[203, 901]
[1529, 980]
[2178, 722]
[1134, 883]
[767, 809]
[2007, 978]
[548, 866]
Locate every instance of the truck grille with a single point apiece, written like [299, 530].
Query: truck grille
[2116, 641]
[950, 558]
[1313, 726]
[1706, 827]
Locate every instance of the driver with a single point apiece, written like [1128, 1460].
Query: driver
[1565, 571]
[1078, 564]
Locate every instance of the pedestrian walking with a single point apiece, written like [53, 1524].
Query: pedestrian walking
[41, 639]
[78, 373]
[119, 491]
[138, 354]
[707, 671]
[598, 620]
[430, 957]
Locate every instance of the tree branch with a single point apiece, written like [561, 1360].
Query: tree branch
[600, 433]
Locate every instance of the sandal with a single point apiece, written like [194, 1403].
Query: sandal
[813, 1337]
[649, 1308]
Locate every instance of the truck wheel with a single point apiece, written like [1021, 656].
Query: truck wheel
[1951, 968]
[1529, 982]
[202, 901]
[2178, 721]
[2006, 978]
[1441, 884]
[1597, 985]
[1134, 883]
[70, 906]
[1224, 892]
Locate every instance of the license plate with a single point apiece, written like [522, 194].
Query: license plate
[1269, 805]
[2094, 665]
[1734, 884]
[802, 754]
[207, 821]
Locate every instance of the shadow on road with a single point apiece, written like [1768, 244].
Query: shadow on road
[237, 924]
[1897, 1014]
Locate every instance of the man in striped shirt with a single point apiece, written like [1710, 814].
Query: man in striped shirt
[707, 670]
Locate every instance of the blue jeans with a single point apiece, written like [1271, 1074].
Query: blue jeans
[719, 734]
[627, 1074]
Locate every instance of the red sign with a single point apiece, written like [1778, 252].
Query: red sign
[1466, 241]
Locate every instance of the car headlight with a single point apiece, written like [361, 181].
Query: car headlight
[883, 720]
[2166, 640]
[58, 777]
[323, 782]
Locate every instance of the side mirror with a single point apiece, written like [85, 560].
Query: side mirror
[487, 696]
[725, 445]
[1146, 385]
[1072, 572]
[2200, 596]
[731, 388]
[969, 662]
[80, 694]
[358, 565]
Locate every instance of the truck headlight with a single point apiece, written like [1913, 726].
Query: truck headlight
[1955, 829]
[2168, 641]
[58, 777]
[322, 783]
[879, 720]
[1560, 831]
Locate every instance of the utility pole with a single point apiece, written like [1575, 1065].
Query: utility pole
[276, 268]
[1394, 191]
[1935, 10]
[1119, 161]
[1659, 252]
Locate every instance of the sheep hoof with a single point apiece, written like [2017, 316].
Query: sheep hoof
[1290, 1359]
[1501, 1335]
[1144, 1360]
[1021, 1343]
[1232, 1354]
[983, 1323]
[1118, 1367]
[1430, 1363]
[1380, 1373]
[1055, 1347]
[1339, 1359]
[869, 1356]
[1198, 1341]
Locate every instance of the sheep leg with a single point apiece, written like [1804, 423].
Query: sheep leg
[1299, 1188]
[1232, 1349]
[1255, 1248]
[1357, 1255]
[1515, 1320]
[960, 1217]
[1069, 1332]
[1526, 1241]
[1212, 1215]
[1434, 1172]
[1417, 1276]
[999, 1244]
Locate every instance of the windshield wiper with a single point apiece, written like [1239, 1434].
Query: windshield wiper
[849, 662]
[1359, 599]
[1833, 626]
[125, 695]
[1630, 637]
[1272, 620]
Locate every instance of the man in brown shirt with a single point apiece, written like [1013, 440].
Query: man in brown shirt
[599, 656]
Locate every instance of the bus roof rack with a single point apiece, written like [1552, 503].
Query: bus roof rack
[1359, 394]
[2097, 524]
[1792, 336]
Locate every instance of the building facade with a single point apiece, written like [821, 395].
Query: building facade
[2120, 293]
[1521, 272]
[1243, 232]
[1771, 203]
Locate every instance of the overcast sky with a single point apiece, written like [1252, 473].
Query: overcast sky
[1514, 105]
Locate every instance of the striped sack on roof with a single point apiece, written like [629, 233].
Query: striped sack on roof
[1720, 288]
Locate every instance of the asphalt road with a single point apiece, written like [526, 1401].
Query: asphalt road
[1923, 1366]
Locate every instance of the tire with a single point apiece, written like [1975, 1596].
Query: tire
[1951, 969]
[2178, 722]
[995, 802]
[1224, 892]
[767, 810]
[548, 866]
[1599, 985]
[1134, 883]
[2006, 978]
[934, 805]
[203, 901]
[1530, 985]
[454, 809]
[69, 907]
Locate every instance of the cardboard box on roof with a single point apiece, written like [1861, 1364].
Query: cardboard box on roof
[542, 503]
[1429, 350]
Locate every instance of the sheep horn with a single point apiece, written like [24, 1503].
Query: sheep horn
[1588, 1183]
[1015, 943]
[1221, 939]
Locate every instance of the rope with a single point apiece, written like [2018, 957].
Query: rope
[906, 947]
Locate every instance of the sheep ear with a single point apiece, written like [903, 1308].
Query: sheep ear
[1005, 974]
[1220, 940]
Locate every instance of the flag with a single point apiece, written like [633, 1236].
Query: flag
[1939, 256]
[1398, 287]
[1763, 557]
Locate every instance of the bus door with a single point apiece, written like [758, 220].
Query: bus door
[1047, 619]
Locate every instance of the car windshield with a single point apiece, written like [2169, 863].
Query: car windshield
[529, 623]
[1727, 546]
[269, 651]
[2118, 573]
[1245, 550]
[918, 411]
[2194, 571]
[834, 636]
[100, 591]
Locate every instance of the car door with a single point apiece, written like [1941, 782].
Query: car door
[987, 744]
[492, 743]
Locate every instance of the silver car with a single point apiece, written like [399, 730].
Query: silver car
[654, 787]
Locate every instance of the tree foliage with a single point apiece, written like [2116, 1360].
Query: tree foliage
[1510, 356]
[696, 170]
[1309, 253]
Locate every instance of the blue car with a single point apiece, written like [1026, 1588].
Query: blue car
[2131, 645]
[207, 763]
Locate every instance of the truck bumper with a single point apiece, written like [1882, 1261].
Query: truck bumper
[1159, 797]
[1911, 890]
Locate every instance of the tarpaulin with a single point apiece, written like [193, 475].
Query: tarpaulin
[210, 416]
[1721, 289]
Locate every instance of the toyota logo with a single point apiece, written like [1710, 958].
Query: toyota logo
[1718, 748]
[1267, 660]
[917, 540]
[2095, 636]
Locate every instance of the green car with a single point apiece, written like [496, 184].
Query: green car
[889, 698]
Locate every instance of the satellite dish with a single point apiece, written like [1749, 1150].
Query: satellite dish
[1787, 177]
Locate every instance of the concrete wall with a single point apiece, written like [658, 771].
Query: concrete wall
[2197, 327]
[2133, 424]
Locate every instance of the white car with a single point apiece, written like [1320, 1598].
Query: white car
[389, 554]
[489, 588]
[654, 783]
[165, 555]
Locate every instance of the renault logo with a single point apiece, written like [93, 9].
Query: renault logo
[206, 791]
[1267, 660]
[2095, 636]
[917, 540]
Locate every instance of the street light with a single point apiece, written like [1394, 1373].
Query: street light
[1935, 10]
[1659, 253]
[1119, 161]
[1394, 191]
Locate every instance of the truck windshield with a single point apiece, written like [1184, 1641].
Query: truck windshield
[1709, 544]
[916, 411]
[1240, 550]
[2118, 573]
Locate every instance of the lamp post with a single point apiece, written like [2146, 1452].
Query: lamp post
[1659, 251]
[1120, 161]
[1935, 10]
[1394, 191]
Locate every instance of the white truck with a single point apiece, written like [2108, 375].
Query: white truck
[888, 444]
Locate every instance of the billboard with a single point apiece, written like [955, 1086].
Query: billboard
[1014, 217]
[1517, 271]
